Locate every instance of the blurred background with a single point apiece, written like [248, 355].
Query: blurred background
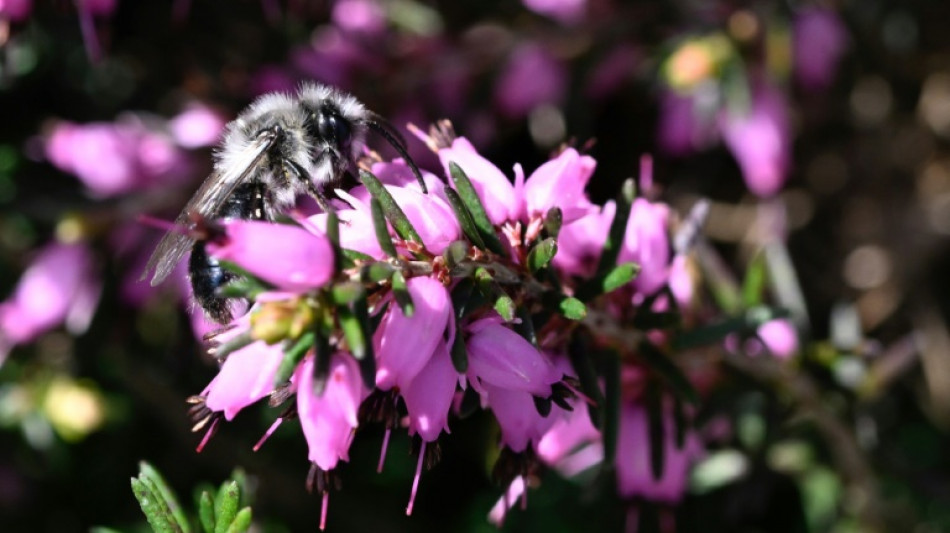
[818, 130]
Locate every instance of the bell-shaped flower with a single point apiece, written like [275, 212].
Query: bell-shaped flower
[531, 77]
[560, 182]
[356, 226]
[760, 140]
[492, 186]
[196, 126]
[246, 376]
[289, 257]
[646, 243]
[500, 357]
[779, 337]
[819, 38]
[15, 10]
[517, 416]
[404, 344]
[564, 11]
[634, 469]
[568, 433]
[429, 395]
[59, 287]
[580, 243]
[430, 215]
[329, 419]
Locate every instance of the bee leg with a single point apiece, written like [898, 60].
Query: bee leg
[314, 191]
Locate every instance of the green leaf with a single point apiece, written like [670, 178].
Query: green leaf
[368, 360]
[206, 512]
[465, 298]
[242, 521]
[322, 352]
[656, 319]
[573, 309]
[159, 483]
[226, 505]
[346, 292]
[292, 357]
[377, 271]
[455, 253]
[474, 204]
[394, 214]
[381, 228]
[459, 352]
[354, 256]
[464, 217]
[154, 506]
[541, 254]
[619, 276]
[668, 370]
[608, 259]
[505, 307]
[553, 220]
[756, 277]
[401, 293]
[333, 235]
[247, 275]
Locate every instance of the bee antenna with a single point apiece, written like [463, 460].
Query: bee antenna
[393, 137]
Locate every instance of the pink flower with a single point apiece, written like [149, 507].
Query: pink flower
[246, 376]
[560, 182]
[580, 244]
[517, 415]
[500, 357]
[564, 11]
[493, 187]
[531, 77]
[329, 420]
[429, 395]
[360, 16]
[634, 471]
[685, 125]
[431, 216]
[403, 344]
[780, 337]
[197, 126]
[646, 243]
[681, 282]
[568, 433]
[58, 287]
[760, 140]
[819, 40]
[286, 256]
[15, 10]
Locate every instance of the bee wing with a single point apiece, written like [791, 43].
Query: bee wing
[205, 202]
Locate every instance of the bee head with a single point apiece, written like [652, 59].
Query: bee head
[326, 125]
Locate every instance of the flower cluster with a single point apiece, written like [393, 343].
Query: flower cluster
[408, 308]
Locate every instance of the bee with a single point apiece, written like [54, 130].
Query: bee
[281, 147]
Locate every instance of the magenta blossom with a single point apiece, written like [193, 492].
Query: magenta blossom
[286, 256]
[563, 11]
[634, 471]
[329, 419]
[15, 10]
[580, 243]
[403, 344]
[531, 77]
[517, 416]
[819, 40]
[646, 242]
[196, 126]
[59, 287]
[760, 140]
[246, 376]
[359, 16]
[493, 187]
[429, 395]
[560, 182]
[500, 357]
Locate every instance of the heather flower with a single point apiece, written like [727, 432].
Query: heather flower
[305, 259]
[580, 243]
[498, 356]
[329, 419]
[779, 337]
[429, 395]
[359, 16]
[15, 10]
[246, 376]
[517, 416]
[196, 126]
[493, 187]
[531, 77]
[564, 11]
[646, 243]
[819, 40]
[635, 476]
[405, 344]
[560, 183]
[59, 287]
[760, 140]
